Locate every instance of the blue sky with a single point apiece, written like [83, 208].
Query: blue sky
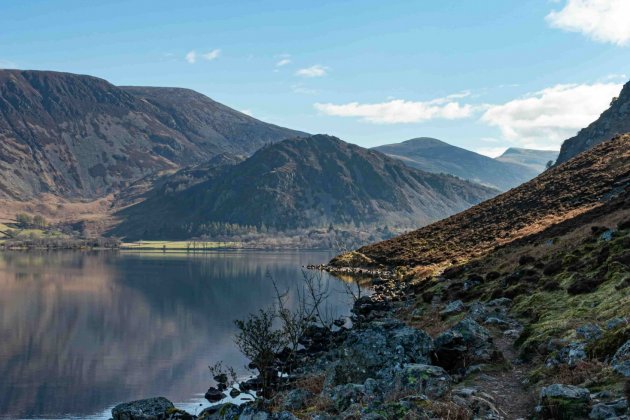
[483, 75]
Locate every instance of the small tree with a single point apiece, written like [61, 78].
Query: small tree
[23, 220]
[549, 164]
[259, 341]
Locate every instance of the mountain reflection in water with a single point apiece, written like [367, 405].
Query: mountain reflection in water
[81, 331]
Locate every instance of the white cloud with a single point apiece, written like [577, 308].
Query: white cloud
[399, 111]
[303, 90]
[247, 112]
[212, 55]
[601, 20]
[192, 55]
[283, 62]
[314, 71]
[545, 118]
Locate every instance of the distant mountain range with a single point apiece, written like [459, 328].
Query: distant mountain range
[531, 158]
[300, 183]
[432, 155]
[79, 136]
[615, 120]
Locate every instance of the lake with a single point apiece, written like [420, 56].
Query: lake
[83, 331]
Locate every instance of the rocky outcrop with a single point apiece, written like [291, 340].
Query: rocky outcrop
[615, 120]
[560, 401]
[158, 408]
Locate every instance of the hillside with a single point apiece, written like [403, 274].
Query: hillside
[79, 136]
[534, 159]
[615, 120]
[565, 191]
[300, 183]
[432, 155]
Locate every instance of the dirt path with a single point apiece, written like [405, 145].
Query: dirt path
[511, 397]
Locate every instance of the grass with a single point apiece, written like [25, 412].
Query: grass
[179, 245]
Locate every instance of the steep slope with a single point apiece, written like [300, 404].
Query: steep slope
[81, 137]
[531, 158]
[301, 183]
[432, 155]
[565, 191]
[615, 120]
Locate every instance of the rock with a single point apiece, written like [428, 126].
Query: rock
[589, 332]
[569, 354]
[251, 413]
[148, 409]
[467, 342]
[284, 415]
[560, 401]
[227, 411]
[453, 308]
[621, 360]
[214, 395]
[610, 410]
[432, 381]
[343, 396]
[234, 393]
[615, 322]
[296, 399]
[379, 345]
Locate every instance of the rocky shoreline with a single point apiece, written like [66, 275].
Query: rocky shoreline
[384, 368]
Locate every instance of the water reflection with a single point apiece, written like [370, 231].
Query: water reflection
[82, 331]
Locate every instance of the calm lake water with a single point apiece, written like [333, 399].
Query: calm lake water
[81, 332]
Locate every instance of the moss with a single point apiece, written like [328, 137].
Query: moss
[561, 409]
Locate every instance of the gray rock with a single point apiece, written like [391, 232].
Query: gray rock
[467, 342]
[227, 411]
[148, 409]
[615, 322]
[251, 413]
[432, 381]
[589, 332]
[570, 354]
[284, 415]
[453, 308]
[621, 360]
[296, 399]
[379, 345]
[343, 396]
[610, 410]
[564, 401]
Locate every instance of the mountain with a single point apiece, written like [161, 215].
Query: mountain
[531, 158]
[567, 190]
[433, 155]
[79, 136]
[300, 183]
[615, 120]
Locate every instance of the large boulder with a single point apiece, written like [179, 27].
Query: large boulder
[560, 401]
[466, 343]
[158, 408]
[377, 346]
[609, 410]
[621, 360]
[432, 381]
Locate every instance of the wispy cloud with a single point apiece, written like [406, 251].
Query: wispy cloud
[399, 111]
[192, 56]
[601, 20]
[303, 90]
[6, 64]
[283, 62]
[544, 119]
[247, 112]
[314, 71]
[491, 151]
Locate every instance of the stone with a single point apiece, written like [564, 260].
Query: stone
[570, 354]
[467, 342]
[227, 411]
[564, 401]
[214, 395]
[343, 396]
[609, 410]
[251, 413]
[147, 409]
[453, 308]
[589, 332]
[296, 399]
[621, 360]
[432, 381]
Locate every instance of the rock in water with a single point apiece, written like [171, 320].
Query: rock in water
[149, 409]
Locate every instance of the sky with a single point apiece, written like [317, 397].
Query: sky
[484, 75]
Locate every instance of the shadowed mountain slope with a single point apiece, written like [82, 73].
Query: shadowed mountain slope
[432, 155]
[531, 158]
[300, 183]
[81, 137]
